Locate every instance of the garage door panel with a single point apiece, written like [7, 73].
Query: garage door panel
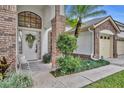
[105, 48]
[120, 47]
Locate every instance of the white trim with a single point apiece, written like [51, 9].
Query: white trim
[108, 18]
[91, 56]
[16, 43]
[29, 29]
[49, 29]
[106, 32]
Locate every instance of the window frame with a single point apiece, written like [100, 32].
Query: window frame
[29, 19]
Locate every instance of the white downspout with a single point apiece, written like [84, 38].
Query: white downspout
[92, 45]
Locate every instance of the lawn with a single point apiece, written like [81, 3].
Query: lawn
[114, 81]
[85, 65]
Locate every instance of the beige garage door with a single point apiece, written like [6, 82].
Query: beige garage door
[105, 46]
[120, 47]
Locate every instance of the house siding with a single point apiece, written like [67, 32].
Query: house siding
[84, 43]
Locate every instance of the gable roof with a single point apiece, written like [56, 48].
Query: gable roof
[120, 25]
[96, 22]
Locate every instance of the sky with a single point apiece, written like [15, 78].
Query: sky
[116, 11]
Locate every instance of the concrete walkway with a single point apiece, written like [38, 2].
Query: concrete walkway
[42, 78]
[117, 61]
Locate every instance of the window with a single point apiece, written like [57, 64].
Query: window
[101, 37]
[29, 19]
[104, 37]
[108, 37]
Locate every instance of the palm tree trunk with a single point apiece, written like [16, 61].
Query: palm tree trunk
[78, 26]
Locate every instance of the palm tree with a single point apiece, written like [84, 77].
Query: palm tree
[76, 13]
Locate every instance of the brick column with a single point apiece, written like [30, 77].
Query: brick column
[96, 44]
[8, 32]
[58, 26]
[115, 55]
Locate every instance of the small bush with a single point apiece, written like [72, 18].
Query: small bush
[16, 81]
[68, 64]
[46, 58]
[67, 43]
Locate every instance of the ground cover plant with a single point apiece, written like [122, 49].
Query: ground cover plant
[15, 80]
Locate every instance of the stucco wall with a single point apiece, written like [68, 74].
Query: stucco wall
[47, 13]
[84, 43]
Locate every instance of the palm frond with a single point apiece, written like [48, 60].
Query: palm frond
[95, 14]
[92, 8]
[71, 22]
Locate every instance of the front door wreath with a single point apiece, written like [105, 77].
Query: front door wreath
[30, 39]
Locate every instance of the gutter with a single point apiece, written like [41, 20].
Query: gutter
[91, 56]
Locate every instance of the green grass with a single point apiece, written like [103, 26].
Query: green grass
[85, 65]
[114, 81]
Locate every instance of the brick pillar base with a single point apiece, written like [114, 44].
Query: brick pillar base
[96, 44]
[58, 26]
[8, 32]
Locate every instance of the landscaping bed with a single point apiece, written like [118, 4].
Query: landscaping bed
[67, 62]
[85, 65]
[16, 80]
[113, 81]
[11, 79]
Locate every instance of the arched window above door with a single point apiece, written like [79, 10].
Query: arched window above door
[29, 19]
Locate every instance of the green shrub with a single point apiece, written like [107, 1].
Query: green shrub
[67, 43]
[16, 81]
[47, 58]
[68, 64]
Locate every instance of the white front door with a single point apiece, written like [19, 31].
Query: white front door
[31, 53]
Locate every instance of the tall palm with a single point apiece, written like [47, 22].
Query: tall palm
[76, 13]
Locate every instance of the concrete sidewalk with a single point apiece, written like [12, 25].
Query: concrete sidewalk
[45, 79]
[117, 61]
